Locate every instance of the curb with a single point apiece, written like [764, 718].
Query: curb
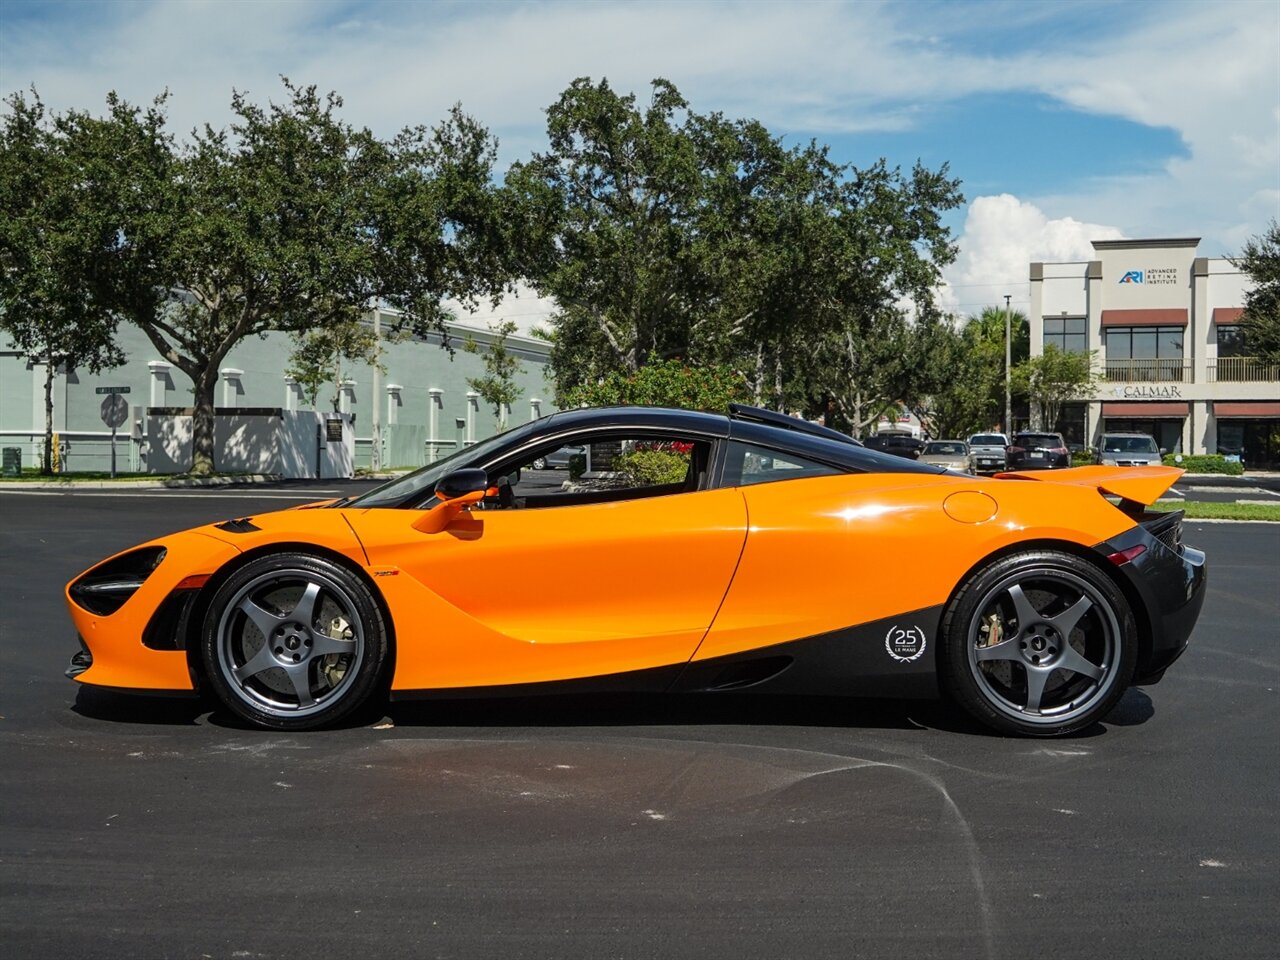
[1268, 480]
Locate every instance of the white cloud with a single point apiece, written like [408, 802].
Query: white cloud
[1210, 72]
[1001, 236]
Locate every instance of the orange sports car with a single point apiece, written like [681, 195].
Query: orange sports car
[677, 551]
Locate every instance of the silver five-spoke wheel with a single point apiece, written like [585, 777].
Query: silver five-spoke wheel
[1039, 643]
[293, 641]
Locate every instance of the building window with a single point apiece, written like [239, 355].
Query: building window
[1231, 342]
[1235, 362]
[1068, 334]
[1145, 353]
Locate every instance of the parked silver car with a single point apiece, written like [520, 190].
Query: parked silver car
[1127, 450]
[952, 454]
[988, 451]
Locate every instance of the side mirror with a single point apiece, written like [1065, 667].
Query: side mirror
[463, 486]
[454, 491]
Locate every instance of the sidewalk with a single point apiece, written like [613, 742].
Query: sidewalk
[136, 484]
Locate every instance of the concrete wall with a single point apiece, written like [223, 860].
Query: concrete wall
[293, 444]
[430, 382]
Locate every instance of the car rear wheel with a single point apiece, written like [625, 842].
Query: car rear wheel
[1040, 643]
[293, 641]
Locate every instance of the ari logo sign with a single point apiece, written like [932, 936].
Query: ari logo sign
[1132, 276]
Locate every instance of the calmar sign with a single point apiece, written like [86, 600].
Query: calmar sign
[1149, 391]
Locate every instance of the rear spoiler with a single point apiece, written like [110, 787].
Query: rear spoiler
[1144, 485]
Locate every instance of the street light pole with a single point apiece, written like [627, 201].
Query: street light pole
[375, 454]
[1008, 354]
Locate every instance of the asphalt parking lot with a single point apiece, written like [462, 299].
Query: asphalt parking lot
[626, 827]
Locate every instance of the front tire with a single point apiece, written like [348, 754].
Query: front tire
[1040, 643]
[293, 642]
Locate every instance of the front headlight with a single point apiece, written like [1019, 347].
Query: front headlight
[104, 589]
[1109, 461]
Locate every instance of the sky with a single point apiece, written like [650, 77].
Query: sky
[1066, 122]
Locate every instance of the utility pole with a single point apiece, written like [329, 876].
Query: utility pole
[1008, 355]
[375, 454]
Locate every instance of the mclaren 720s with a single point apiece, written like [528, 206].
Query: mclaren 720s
[677, 551]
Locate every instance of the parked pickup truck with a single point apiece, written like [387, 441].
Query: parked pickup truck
[988, 451]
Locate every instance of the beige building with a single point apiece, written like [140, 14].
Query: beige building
[1175, 364]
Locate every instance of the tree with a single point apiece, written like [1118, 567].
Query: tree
[664, 383]
[293, 220]
[958, 378]
[319, 356]
[54, 237]
[1261, 319]
[666, 233]
[1054, 378]
[602, 218]
[498, 385]
[863, 371]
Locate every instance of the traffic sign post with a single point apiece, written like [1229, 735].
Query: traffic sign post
[115, 411]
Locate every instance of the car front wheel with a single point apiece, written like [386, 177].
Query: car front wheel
[293, 641]
[1040, 643]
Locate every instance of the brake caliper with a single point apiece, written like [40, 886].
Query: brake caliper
[992, 631]
[334, 666]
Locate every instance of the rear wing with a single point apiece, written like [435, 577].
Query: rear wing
[1144, 485]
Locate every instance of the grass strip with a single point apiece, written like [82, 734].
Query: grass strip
[1203, 510]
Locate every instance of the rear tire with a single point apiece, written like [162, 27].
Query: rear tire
[1040, 643]
[293, 641]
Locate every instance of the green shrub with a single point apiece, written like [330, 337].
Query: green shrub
[1082, 458]
[664, 383]
[650, 468]
[1206, 463]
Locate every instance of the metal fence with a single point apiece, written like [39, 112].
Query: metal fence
[1176, 370]
[1242, 370]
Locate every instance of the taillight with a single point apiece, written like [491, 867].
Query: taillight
[1015, 450]
[1124, 556]
[1058, 450]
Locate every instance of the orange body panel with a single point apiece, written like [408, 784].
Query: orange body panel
[119, 658]
[502, 597]
[522, 596]
[834, 552]
[1142, 484]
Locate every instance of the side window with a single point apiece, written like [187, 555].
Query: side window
[603, 469]
[747, 464]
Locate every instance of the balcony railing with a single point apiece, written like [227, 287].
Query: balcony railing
[1242, 370]
[1150, 371]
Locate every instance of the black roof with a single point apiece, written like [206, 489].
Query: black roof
[749, 424]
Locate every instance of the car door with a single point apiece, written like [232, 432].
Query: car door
[557, 592]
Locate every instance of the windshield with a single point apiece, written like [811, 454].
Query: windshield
[1129, 445]
[950, 448]
[420, 483]
[988, 439]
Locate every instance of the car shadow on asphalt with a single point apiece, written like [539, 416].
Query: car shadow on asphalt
[96, 703]
[658, 709]
[604, 710]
